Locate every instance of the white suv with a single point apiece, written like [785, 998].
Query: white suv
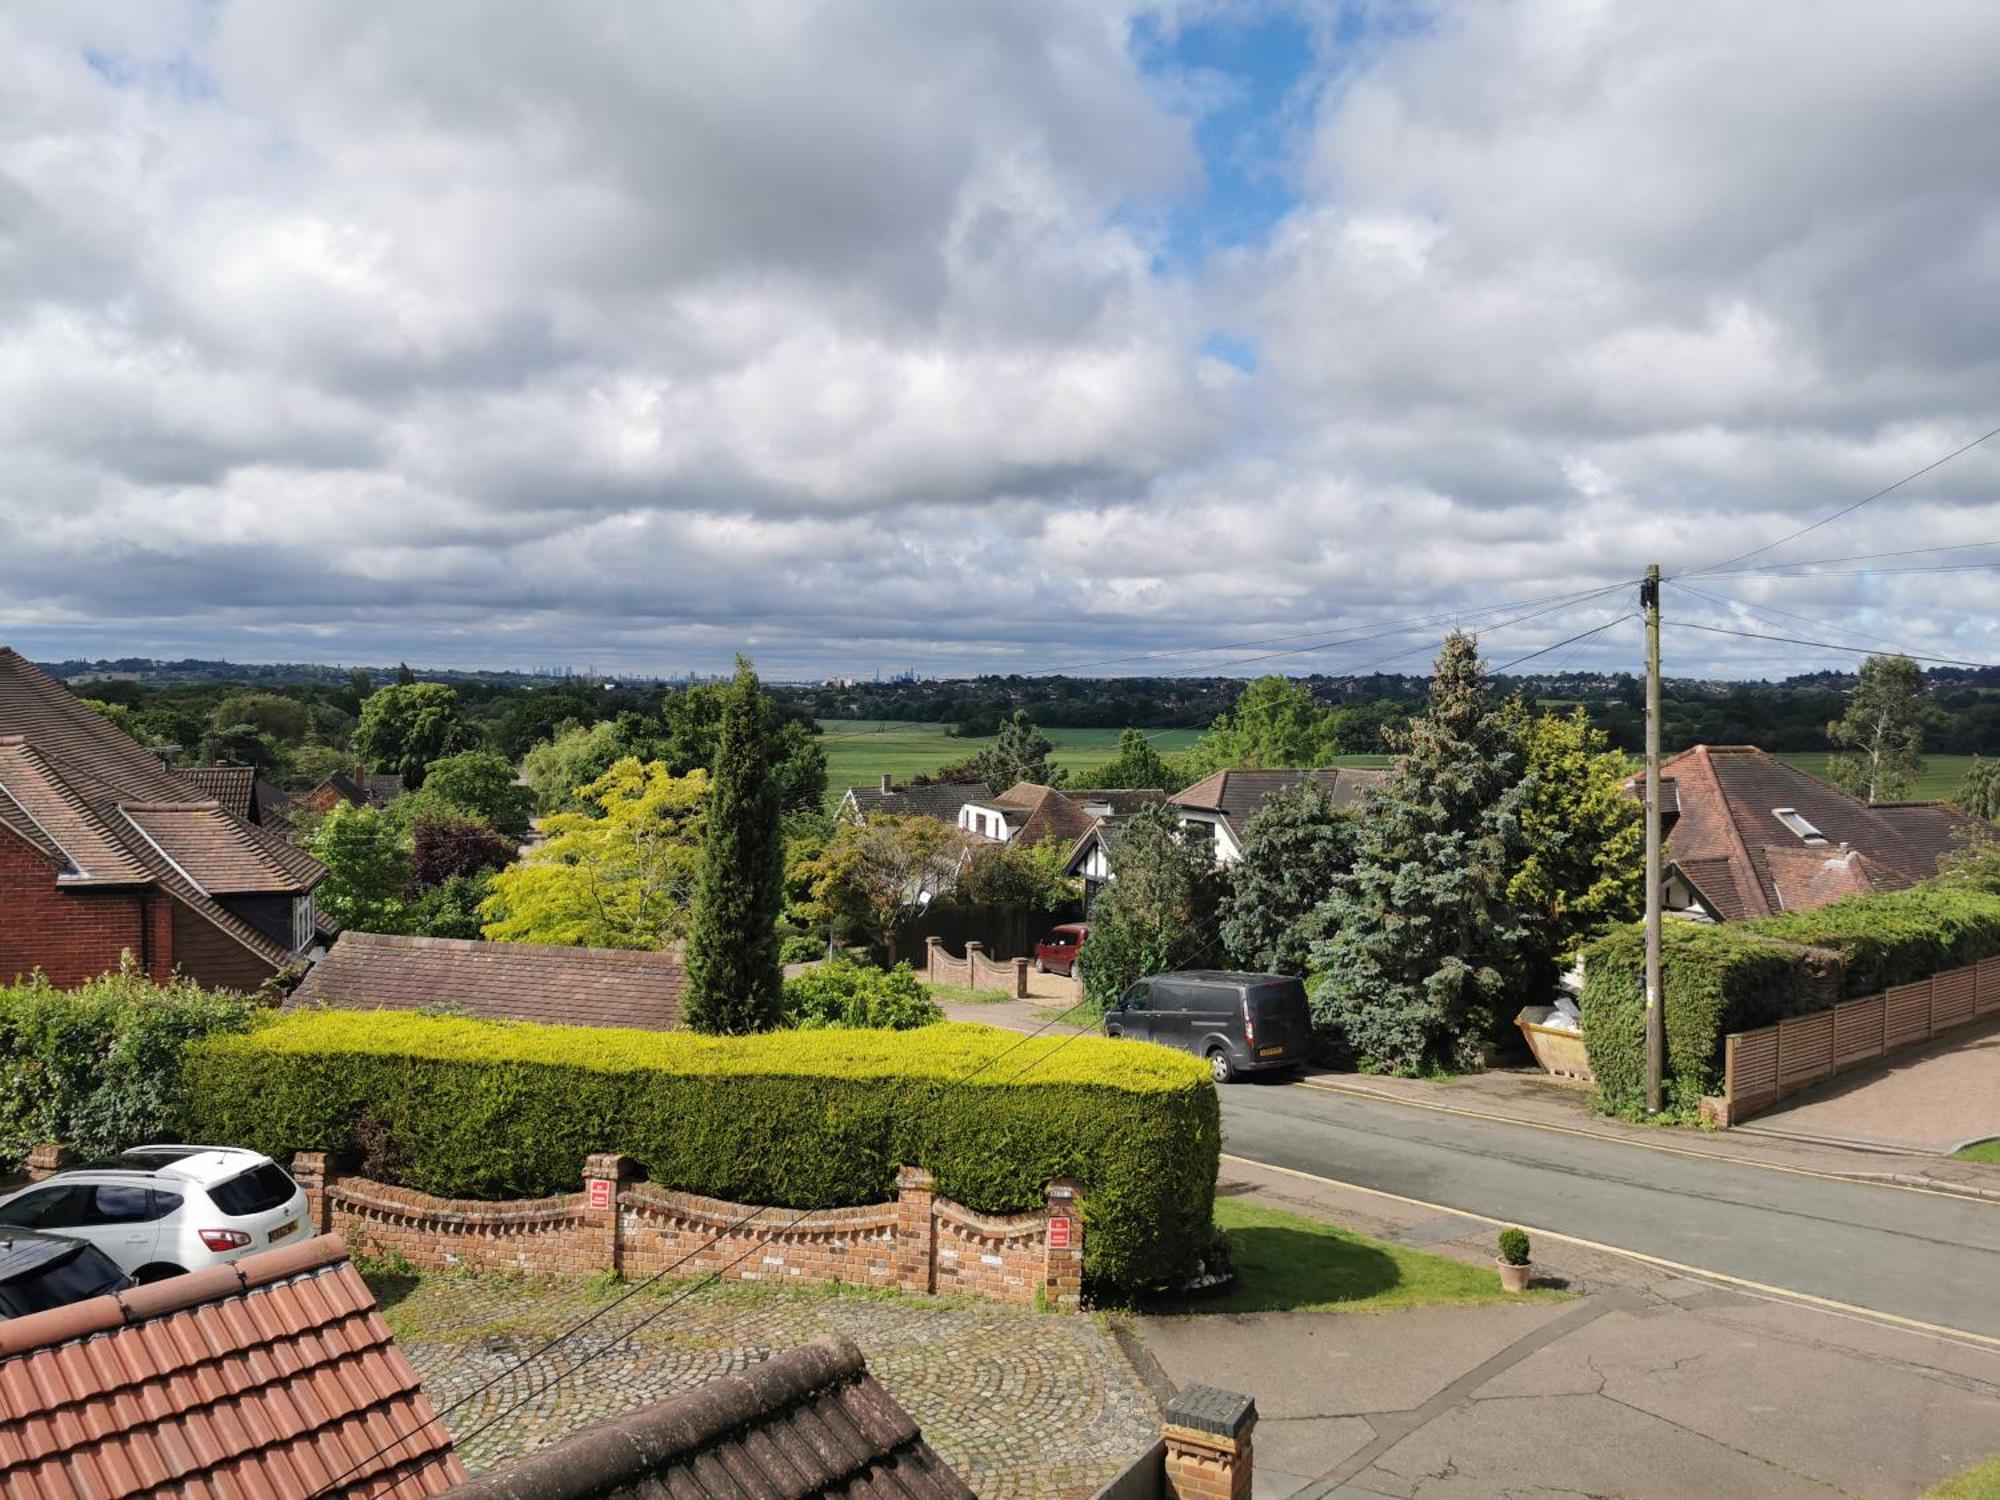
[162, 1210]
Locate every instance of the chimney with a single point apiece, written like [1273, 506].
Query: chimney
[887, 784]
[1206, 1433]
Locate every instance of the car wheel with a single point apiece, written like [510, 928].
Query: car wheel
[1041, 967]
[157, 1272]
[1220, 1068]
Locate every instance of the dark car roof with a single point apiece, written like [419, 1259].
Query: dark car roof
[25, 1251]
[1228, 976]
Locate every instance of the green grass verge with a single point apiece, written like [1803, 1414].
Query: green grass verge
[1980, 1151]
[1288, 1263]
[1981, 1482]
[957, 994]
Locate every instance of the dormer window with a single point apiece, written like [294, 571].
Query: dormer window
[1792, 819]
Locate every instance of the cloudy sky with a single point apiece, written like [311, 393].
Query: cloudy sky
[1016, 335]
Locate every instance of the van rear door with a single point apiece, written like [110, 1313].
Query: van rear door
[1281, 1019]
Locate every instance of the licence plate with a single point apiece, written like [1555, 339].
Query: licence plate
[1270, 1051]
[281, 1231]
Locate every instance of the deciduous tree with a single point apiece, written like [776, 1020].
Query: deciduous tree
[1979, 793]
[367, 868]
[1882, 731]
[734, 979]
[1276, 725]
[619, 876]
[1160, 912]
[869, 876]
[476, 784]
[1138, 764]
[406, 727]
[1016, 874]
[1584, 837]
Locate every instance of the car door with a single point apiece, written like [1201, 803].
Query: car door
[117, 1217]
[1170, 1013]
[1134, 1016]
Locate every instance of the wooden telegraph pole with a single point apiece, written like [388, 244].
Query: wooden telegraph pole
[1656, 1029]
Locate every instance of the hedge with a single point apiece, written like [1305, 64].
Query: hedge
[1719, 979]
[845, 993]
[800, 1119]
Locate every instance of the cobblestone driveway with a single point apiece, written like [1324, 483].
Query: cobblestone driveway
[1021, 1404]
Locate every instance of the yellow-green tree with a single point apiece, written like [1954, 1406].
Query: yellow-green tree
[621, 875]
[1585, 837]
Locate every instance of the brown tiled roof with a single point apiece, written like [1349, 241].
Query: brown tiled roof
[1726, 796]
[505, 981]
[273, 1376]
[808, 1422]
[234, 787]
[1240, 795]
[67, 779]
[1036, 812]
[941, 801]
[210, 848]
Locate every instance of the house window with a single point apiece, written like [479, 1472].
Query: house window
[1790, 817]
[303, 922]
[1199, 833]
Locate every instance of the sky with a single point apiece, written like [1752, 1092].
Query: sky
[1020, 337]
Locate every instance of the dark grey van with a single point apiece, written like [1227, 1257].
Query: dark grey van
[1242, 1023]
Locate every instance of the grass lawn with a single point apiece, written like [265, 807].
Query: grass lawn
[959, 995]
[1980, 1151]
[1287, 1263]
[1981, 1482]
[1941, 778]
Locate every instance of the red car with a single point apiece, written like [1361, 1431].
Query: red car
[1056, 953]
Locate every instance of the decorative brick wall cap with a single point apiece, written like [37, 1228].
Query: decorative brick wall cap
[914, 1180]
[1205, 1411]
[607, 1164]
[49, 1156]
[1066, 1188]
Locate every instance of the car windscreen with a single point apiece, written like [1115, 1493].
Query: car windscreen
[85, 1272]
[256, 1191]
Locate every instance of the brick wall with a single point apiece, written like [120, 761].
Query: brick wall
[69, 934]
[211, 957]
[916, 1242]
[975, 971]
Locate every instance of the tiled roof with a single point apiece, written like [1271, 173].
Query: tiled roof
[273, 1376]
[941, 800]
[233, 786]
[210, 848]
[808, 1422]
[1035, 812]
[1240, 795]
[1726, 797]
[506, 981]
[75, 779]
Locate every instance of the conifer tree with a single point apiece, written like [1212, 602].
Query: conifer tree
[1423, 948]
[734, 980]
[1020, 754]
[1294, 852]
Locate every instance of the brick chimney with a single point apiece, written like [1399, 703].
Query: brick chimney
[888, 784]
[1206, 1433]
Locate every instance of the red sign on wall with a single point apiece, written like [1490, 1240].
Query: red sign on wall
[600, 1192]
[1059, 1234]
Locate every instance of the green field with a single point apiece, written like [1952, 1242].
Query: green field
[1941, 778]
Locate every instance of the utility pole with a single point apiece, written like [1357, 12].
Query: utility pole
[1656, 1020]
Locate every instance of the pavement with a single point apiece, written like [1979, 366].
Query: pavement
[1648, 1384]
[1020, 1404]
[1930, 1099]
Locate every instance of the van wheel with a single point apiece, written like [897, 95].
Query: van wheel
[158, 1271]
[1220, 1068]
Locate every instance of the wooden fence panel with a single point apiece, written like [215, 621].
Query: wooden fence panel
[1750, 1069]
[1909, 1018]
[1988, 985]
[1953, 998]
[1857, 1031]
[1805, 1050]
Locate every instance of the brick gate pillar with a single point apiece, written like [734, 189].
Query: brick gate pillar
[309, 1172]
[931, 947]
[1207, 1436]
[604, 1174]
[1062, 1247]
[46, 1158]
[916, 1230]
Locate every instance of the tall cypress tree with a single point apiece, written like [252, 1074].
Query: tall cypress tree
[1424, 947]
[734, 981]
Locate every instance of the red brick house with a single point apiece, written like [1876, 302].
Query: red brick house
[1749, 836]
[359, 787]
[104, 851]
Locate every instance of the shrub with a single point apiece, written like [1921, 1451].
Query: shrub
[99, 1067]
[801, 948]
[1716, 980]
[844, 993]
[814, 1119]
[1514, 1246]
[1899, 937]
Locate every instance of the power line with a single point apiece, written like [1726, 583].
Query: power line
[1786, 572]
[1793, 640]
[1770, 609]
[1848, 510]
[1813, 562]
[1581, 635]
[662, 1273]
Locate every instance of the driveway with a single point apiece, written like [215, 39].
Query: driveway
[1935, 1098]
[1649, 1386]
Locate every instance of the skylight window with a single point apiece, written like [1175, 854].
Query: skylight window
[1792, 819]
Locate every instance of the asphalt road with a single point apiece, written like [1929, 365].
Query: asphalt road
[1930, 1257]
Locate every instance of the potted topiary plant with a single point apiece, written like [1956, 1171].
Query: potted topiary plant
[1515, 1267]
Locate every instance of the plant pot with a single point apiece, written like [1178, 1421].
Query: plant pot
[1515, 1278]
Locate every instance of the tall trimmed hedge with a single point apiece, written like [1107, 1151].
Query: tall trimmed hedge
[801, 1119]
[1719, 979]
